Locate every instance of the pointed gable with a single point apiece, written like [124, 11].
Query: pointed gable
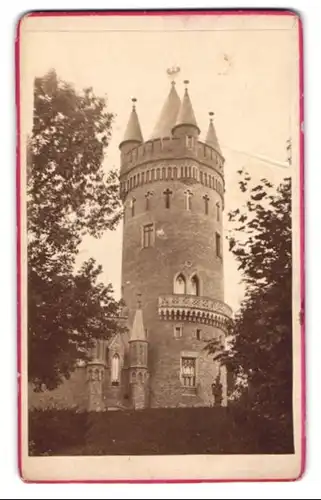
[133, 131]
[211, 138]
[168, 115]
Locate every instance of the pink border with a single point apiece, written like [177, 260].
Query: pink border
[302, 224]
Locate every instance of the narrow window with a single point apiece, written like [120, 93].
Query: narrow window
[175, 172]
[218, 244]
[158, 174]
[195, 286]
[201, 177]
[148, 232]
[178, 332]
[167, 194]
[198, 334]
[218, 213]
[188, 199]
[132, 206]
[115, 370]
[205, 179]
[143, 177]
[206, 203]
[188, 371]
[148, 196]
[180, 285]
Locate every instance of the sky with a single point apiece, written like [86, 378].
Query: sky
[240, 69]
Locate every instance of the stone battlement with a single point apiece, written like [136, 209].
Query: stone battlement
[171, 148]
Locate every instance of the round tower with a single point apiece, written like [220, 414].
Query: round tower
[172, 187]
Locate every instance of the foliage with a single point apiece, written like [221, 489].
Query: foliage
[259, 351]
[69, 196]
[164, 431]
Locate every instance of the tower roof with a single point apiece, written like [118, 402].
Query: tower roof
[133, 131]
[186, 114]
[211, 138]
[138, 331]
[168, 115]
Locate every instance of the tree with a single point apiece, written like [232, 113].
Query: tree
[68, 196]
[259, 354]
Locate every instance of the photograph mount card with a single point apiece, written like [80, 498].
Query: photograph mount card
[160, 246]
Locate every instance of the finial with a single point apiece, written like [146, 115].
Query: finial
[139, 300]
[134, 100]
[172, 73]
[211, 115]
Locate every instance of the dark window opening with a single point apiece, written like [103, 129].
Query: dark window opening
[218, 245]
[206, 202]
[167, 194]
[148, 231]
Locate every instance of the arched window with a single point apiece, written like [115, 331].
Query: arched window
[195, 285]
[115, 370]
[180, 284]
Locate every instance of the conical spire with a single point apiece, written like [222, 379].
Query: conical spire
[211, 138]
[168, 115]
[186, 114]
[133, 131]
[138, 330]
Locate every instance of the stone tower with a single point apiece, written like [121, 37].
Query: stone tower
[172, 187]
[138, 356]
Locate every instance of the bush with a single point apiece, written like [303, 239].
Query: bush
[163, 431]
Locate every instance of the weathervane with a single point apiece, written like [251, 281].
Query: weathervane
[173, 72]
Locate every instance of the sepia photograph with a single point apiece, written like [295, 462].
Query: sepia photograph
[160, 230]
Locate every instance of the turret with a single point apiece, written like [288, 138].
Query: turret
[211, 137]
[95, 378]
[133, 135]
[138, 354]
[168, 115]
[186, 124]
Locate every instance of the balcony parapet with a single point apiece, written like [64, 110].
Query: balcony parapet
[194, 309]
